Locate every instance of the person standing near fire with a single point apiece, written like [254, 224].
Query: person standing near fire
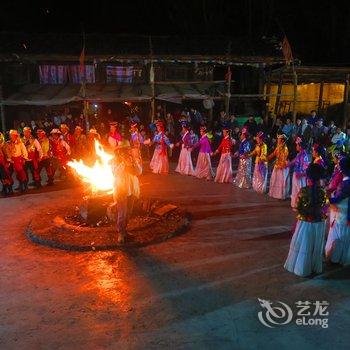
[126, 187]
[17, 155]
[46, 160]
[60, 152]
[136, 140]
[114, 136]
[5, 173]
[35, 154]
[159, 163]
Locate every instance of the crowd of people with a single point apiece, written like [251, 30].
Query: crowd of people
[306, 162]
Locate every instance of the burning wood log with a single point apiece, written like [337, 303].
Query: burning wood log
[94, 208]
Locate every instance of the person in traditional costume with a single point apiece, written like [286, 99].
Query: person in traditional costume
[159, 163]
[337, 175]
[126, 187]
[46, 161]
[203, 168]
[35, 154]
[244, 174]
[184, 165]
[67, 136]
[338, 241]
[136, 141]
[300, 164]
[5, 173]
[114, 136]
[260, 167]
[224, 170]
[307, 244]
[17, 155]
[80, 144]
[60, 152]
[280, 181]
[319, 157]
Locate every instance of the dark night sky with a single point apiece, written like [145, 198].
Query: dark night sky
[319, 31]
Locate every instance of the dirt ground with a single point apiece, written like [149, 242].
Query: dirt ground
[199, 290]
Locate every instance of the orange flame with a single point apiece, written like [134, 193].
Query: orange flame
[100, 175]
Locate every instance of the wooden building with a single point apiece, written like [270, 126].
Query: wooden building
[318, 88]
[45, 70]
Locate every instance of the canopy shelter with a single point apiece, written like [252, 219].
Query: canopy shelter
[50, 95]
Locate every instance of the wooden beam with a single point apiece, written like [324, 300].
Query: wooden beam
[320, 98]
[346, 101]
[279, 90]
[295, 96]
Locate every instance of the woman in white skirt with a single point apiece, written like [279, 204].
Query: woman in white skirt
[224, 170]
[203, 167]
[244, 174]
[338, 241]
[306, 248]
[300, 163]
[159, 163]
[280, 182]
[184, 165]
[260, 168]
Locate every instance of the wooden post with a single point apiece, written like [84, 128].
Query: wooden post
[2, 112]
[86, 115]
[346, 101]
[320, 98]
[295, 95]
[228, 92]
[267, 93]
[153, 98]
[279, 91]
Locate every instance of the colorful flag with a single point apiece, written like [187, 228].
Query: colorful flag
[287, 51]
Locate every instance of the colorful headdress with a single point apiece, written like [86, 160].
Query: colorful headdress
[27, 128]
[78, 128]
[55, 131]
[64, 126]
[184, 124]
[260, 135]
[244, 130]
[133, 125]
[282, 136]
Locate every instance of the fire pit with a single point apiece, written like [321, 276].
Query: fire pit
[153, 221]
[89, 222]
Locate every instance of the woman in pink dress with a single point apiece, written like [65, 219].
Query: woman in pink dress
[203, 167]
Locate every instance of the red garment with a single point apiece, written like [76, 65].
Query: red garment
[70, 139]
[59, 151]
[115, 135]
[18, 167]
[5, 173]
[225, 145]
[33, 156]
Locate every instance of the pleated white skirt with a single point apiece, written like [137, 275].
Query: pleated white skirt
[338, 243]
[279, 183]
[159, 162]
[224, 170]
[306, 248]
[203, 167]
[184, 165]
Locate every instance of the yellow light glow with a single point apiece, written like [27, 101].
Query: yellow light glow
[100, 175]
